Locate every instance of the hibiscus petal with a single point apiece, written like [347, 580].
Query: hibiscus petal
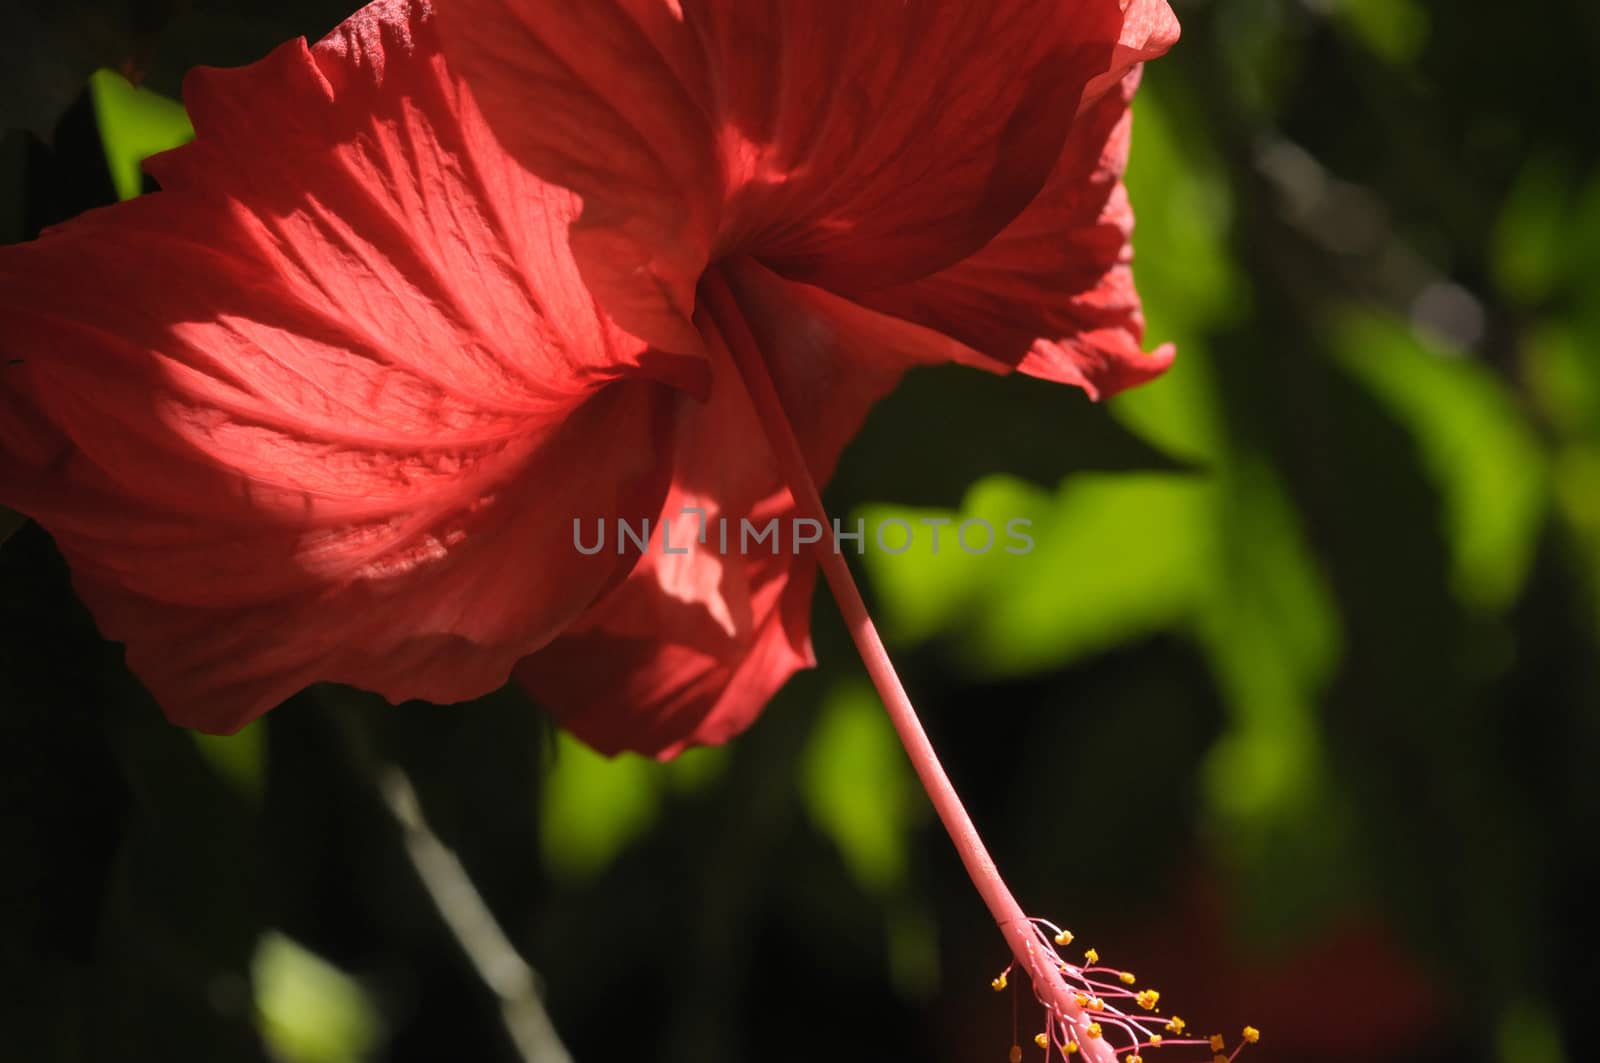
[621, 682]
[851, 145]
[1149, 28]
[1053, 293]
[691, 646]
[325, 407]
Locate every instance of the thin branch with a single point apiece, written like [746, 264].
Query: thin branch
[463, 911]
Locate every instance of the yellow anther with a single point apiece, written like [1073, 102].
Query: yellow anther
[1064, 938]
[1096, 1004]
[1082, 1000]
[1135, 1058]
[1092, 956]
[1071, 1048]
[1042, 1040]
[1155, 1039]
[1092, 1030]
[999, 983]
[1016, 1054]
[1252, 1034]
[1146, 998]
[1217, 1042]
[1176, 1025]
[1127, 978]
[1219, 1058]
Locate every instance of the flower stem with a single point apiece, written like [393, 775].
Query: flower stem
[1019, 931]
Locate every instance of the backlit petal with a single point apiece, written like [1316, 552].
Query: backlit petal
[1149, 28]
[325, 407]
[689, 649]
[852, 145]
[1053, 293]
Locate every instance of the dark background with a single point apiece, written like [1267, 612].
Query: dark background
[1294, 710]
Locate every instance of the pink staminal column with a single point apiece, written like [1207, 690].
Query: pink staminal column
[1081, 1001]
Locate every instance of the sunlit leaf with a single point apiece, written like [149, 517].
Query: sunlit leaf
[1477, 445]
[923, 588]
[859, 789]
[1529, 1033]
[1184, 211]
[1186, 276]
[1271, 634]
[1576, 477]
[1564, 370]
[308, 1010]
[1266, 584]
[1532, 232]
[1394, 30]
[239, 758]
[1118, 558]
[908, 454]
[913, 947]
[135, 124]
[1475, 441]
[1249, 35]
[693, 770]
[1114, 558]
[592, 807]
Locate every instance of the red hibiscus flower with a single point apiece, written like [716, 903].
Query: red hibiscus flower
[421, 299]
[327, 406]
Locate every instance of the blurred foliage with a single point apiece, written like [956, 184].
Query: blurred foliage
[134, 124]
[308, 1010]
[592, 807]
[1481, 454]
[1294, 705]
[239, 759]
[859, 790]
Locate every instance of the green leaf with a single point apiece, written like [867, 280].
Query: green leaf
[1395, 31]
[240, 758]
[593, 807]
[859, 789]
[1533, 232]
[1276, 631]
[946, 427]
[1272, 637]
[134, 125]
[1185, 269]
[1188, 279]
[1563, 373]
[1114, 558]
[308, 1010]
[1475, 441]
[1528, 1032]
